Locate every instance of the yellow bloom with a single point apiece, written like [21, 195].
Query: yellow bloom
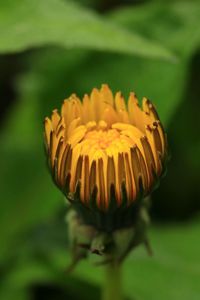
[102, 145]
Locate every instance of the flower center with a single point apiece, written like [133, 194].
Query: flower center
[99, 140]
[102, 139]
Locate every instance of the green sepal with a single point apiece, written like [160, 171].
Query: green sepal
[112, 245]
[102, 243]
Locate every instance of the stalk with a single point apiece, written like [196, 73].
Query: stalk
[112, 289]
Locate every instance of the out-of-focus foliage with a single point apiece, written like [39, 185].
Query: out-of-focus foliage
[33, 233]
[27, 23]
[172, 273]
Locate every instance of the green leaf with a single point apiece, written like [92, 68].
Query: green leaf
[175, 25]
[27, 23]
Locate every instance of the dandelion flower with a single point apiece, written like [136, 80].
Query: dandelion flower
[107, 152]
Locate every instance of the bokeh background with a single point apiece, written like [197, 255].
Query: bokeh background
[51, 48]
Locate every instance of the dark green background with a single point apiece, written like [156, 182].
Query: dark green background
[51, 48]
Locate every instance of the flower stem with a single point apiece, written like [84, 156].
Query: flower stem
[113, 282]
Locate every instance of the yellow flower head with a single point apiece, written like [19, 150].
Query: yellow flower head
[103, 149]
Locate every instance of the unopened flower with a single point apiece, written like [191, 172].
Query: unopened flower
[106, 156]
[107, 153]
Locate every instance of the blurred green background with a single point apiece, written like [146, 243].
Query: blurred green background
[51, 48]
